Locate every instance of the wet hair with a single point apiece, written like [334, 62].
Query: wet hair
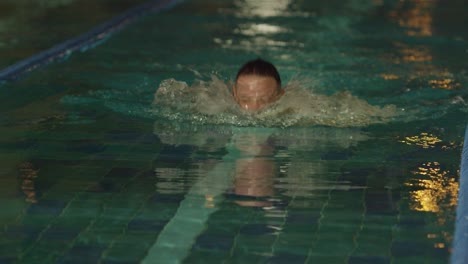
[259, 67]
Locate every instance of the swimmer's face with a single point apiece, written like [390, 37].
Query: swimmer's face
[254, 92]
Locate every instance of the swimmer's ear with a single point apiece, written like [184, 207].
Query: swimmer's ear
[234, 92]
[281, 92]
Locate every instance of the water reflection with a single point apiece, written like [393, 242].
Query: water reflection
[415, 16]
[170, 180]
[438, 191]
[249, 154]
[261, 8]
[447, 84]
[28, 175]
[389, 76]
[258, 156]
[435, 190]
[262, 33]
[412, 54]
[257, 43]
[415, 19]
[419, 58]
[424, 140]
[255, 169]
[259, 29]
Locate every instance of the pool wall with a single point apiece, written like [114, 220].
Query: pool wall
[460, 243]
[85, 41]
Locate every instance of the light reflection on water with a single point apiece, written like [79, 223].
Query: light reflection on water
[424, 140]
[435, 190]
[259, 29]
[417, 19]
[439, 189]
[448, 84]
[262, 8]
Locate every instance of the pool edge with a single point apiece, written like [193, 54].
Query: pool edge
[84, 41]
[460, 241]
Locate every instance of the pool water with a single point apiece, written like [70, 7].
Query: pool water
[28, 27]
[93, 171]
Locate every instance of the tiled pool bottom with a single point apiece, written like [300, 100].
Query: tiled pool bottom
[84, 199]
[104, 192]
[90, 181]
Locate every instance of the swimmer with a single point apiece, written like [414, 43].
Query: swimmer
[257, 85]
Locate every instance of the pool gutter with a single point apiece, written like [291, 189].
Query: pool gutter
[84, 41]
[460, 242]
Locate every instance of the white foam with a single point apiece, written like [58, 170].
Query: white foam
[211, 102]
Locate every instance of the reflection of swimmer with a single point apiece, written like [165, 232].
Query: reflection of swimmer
[255, 166]
[257, 85]
[250, 165]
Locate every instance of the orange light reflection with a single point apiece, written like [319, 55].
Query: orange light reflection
[28, 176]
[435, 191]
[447, 84]
[424, 140]
[417, 20]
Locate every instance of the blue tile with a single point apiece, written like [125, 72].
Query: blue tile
[22, 231]
[83, 254]
[49, 207]
[214, 242]
[103, 186]
[303, 218]
[84, 146]
[410, 222]
[116, 261]
[166, 198]
[336, 156]
[124, 136]
[63, 234]
[121, 173]
[287, 258]
[257, 230]
[369, 260]
[8, 260]
[407, 249]
[146, 225]
[357, 176]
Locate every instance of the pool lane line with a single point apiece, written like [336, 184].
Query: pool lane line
[175, 241]
[179, 235]
[83, 42]
[460, 242]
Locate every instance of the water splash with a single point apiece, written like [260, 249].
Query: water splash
[211, 102]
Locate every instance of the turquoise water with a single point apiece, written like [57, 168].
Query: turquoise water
[94, 171]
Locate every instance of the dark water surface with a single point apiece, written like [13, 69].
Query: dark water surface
[31, 26]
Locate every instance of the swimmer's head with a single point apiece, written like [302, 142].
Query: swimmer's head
[257, 85]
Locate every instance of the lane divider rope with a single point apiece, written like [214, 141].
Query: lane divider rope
[84, 41]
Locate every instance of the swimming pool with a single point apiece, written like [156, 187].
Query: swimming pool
[94, 172]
